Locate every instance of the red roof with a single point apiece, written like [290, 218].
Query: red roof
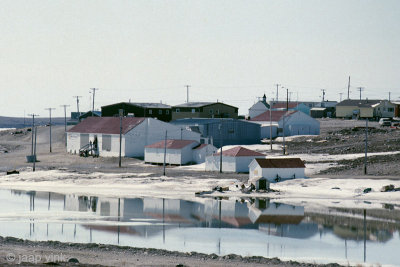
[283, 105]
[276, 115]
[106, 125]
[200, 146]
[281, 163]
[239, 151]
[172, 144]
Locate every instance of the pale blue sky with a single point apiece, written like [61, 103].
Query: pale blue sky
[231, 50]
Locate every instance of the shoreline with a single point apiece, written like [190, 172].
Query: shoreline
[14, 251]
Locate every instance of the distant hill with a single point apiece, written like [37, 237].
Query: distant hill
[12, 122]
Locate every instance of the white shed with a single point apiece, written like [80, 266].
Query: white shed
[136, 134]
[178, 152]
[236, 159]
[293, 122]
[276, 169]
[202, 151]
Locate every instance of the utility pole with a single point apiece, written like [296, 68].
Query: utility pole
[94, 93]
[270, 125]
[34, 151]
[65, 122]
[389, 96]
[277, 85]
[366, 145]
[33, 129]
[121, 113]
[220, 152]
[165, 151]
[348, 89]
[323, 95]
[50, 109]
[187, 93]
[340, 96]
[360, 89]
[283, 123]
[77, 104]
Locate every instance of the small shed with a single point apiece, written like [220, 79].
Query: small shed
[318, 112]
[236, 159]
[276, 169]
[177, 152]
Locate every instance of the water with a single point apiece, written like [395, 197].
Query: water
[248, 227]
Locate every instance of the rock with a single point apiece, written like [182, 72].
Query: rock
[388, 188]
[12, 172]
[73, 260]
[338, 188]
[367, 190]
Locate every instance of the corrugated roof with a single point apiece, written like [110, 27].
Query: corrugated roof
[281, 163]
[199, 104]
[276, 115]
[358, 103]
[283, 105]
[144, 105]
[172, 144]
[106, 125]
[239, 151]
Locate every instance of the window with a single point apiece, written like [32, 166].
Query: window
[217, 111]
[211, 111]
[177, 110]
[160, 111]
[390, 109]
[167, 112]
[193, 110]
[150, 111]
[106, 142]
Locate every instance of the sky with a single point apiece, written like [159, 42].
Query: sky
[232, 51]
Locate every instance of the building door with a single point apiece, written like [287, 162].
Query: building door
[262, 184]
[84, 140]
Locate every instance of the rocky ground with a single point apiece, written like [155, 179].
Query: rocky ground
[17, 252]
[340, 137]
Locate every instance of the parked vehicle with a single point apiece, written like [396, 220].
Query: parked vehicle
[385, 122]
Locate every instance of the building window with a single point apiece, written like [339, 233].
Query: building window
[217, 111]
[193, 110]
[150, 111]
[106, 143]
[390, 109]
[160, 111]
[211, 111]
[167, 112]
[177, 110]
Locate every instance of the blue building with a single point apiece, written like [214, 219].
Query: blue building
[223, 131]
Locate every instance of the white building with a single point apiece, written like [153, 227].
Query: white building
[293, 122]
[236, 159]
[136, 134]
[259, 107]
[275, 169]
[177, 152]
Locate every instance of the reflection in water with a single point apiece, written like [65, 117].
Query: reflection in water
[246, 227]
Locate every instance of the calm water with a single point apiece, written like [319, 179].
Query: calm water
[249, 227]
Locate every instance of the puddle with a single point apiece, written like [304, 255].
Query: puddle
[249, 227]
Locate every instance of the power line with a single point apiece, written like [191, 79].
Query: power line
[33, 126]
[65, 122]
[94, 93]
[360, 89]
[77, 102]
[50, 109]
[187, 93]
[323, 94]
